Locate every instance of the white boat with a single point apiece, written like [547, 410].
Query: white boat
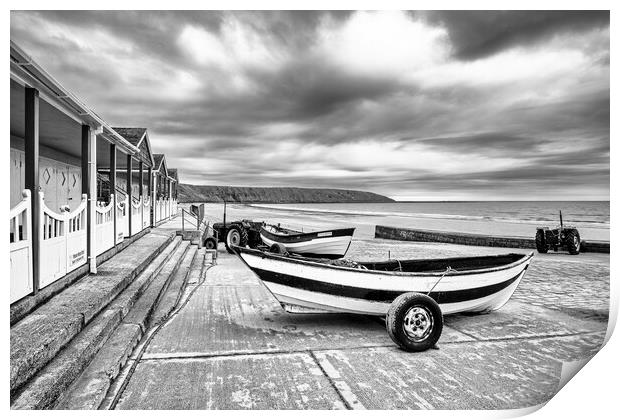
[332, 243]
[469, 284]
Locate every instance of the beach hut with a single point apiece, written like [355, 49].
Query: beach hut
[135, 180]
[66, 166]
[161, 186]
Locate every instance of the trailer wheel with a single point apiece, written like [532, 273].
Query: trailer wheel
[235, 237]
[414, 322]
[277, 249]
[210, 243]
[573, 242]
[541, 246]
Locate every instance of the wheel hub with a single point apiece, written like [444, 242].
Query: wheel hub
[418, 323]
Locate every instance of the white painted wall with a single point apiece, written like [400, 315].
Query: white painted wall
[60, 182]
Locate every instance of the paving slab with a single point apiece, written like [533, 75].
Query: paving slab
[577, 285]
[519, 320]
[224, 383]
[478, 375]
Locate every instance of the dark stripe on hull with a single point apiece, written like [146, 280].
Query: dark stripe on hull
[378, 295]
[305, 237]
[318, 256]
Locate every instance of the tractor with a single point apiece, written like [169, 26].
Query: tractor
[562, 237]
[238, 233]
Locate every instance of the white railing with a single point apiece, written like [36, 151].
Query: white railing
[146, 212]
[62, 241]
[166, 208]
[104, 226]
[76, 236]
[20, 245]
[174, 207]
[136, 216]
[122, 221]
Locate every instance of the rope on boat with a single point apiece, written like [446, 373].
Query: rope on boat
[448, 270]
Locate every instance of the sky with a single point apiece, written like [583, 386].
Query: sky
[445, 105]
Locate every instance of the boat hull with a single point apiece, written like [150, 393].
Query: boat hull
[306, 286]
[325, 244]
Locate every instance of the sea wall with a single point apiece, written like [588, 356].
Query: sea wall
[418, 235]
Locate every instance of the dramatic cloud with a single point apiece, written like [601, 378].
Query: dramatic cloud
[414, 105]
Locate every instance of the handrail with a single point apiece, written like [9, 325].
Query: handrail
[137, 206]
[63, 215]
[21, 206]
[47, 210]
[106, 208]
[196, 224]
[82, 206]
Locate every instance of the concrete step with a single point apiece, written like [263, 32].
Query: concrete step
[53, 344]
[169, 300]
[140, 315]
[90, 389]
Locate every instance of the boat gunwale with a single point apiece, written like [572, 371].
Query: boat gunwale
[308, 236]
[525, 258]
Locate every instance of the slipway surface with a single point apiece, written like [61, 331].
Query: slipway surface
[232, 346]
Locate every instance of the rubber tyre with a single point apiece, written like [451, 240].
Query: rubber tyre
[540, 242]
[277, 249]
[235, 237]
[395, 321]
[573, 242]
[210, 243]
[244, 236]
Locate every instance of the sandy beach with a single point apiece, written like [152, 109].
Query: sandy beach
[365, 224]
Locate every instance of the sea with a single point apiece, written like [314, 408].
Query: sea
[514, 218]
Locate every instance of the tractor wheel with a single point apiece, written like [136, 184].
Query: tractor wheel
[573, 242]
[541, 246]
[210, 243]
[236, 236]
[414, 322]
[254, 239]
